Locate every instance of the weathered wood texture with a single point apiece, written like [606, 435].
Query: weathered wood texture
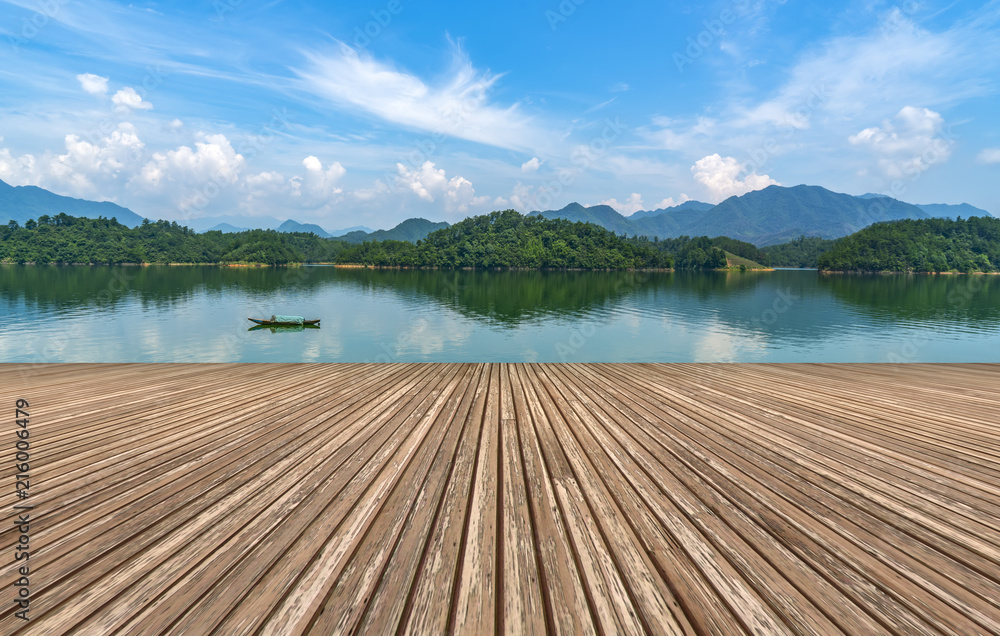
[507, 498]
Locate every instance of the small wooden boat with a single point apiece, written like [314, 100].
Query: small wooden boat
[282, 328]
[284, 321]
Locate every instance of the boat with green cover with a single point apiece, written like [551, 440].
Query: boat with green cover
[284, 321]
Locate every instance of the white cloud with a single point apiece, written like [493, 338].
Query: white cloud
[93, 84]
[720, 177]
[849, 77]
[175, 124]
[458, 107]
[95, 167]
[672, 134]
[989, 155]
[531, 165]
[634, 204]
[669, 202]
[423, 181]
[908, 144]
[370, 194]
[265, 183]
[525, 198]
[17, 170]
[628, 207]
[461, 197]
[430, 183]
[212, 159]
[318, 184]
[838, 86]
[128, 98]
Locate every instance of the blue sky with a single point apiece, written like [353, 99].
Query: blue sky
[374, 112]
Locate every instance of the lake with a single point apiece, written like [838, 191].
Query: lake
[199, 314]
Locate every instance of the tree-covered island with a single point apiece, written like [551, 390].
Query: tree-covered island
[497, 240]
[923, 245]
[508, 239]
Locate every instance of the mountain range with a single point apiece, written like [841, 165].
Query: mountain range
[770, 216]
[411, 230]
[776, 214]
[21, 203]
[231, 223]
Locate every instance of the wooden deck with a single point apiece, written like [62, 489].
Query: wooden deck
[514, 498]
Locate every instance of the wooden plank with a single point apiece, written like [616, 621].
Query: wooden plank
[475, 603]
[347, 602]
[389, 604]
[567, 608]
[520, 607]
[431, 599]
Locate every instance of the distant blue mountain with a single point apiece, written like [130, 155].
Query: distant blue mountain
[677, 211]
[778, 214]
[764, 217]
[411, 230]
[603, 215]
[939, 210]
[226, 228]
[21, 203]
[348, 230]
[643, 221]
[295, 226]
[950, 211]
[232, 223]
[240, 223]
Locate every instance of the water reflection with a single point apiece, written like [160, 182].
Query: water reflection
[283, 328]
[199, 314]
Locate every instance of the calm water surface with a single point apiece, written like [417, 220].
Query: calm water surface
[199, 314]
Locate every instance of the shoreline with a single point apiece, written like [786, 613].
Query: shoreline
[387, 267]
[908, 273]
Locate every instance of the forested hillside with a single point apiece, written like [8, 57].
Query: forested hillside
[509, 240]
[927, 245]
[701, 252]
[67, 239]
[802, 252]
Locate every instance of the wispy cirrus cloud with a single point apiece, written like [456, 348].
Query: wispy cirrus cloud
[988, 155]
[852, 77]
[847, 80]
[459, 107]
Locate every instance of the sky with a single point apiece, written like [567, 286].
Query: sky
[375, 111]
